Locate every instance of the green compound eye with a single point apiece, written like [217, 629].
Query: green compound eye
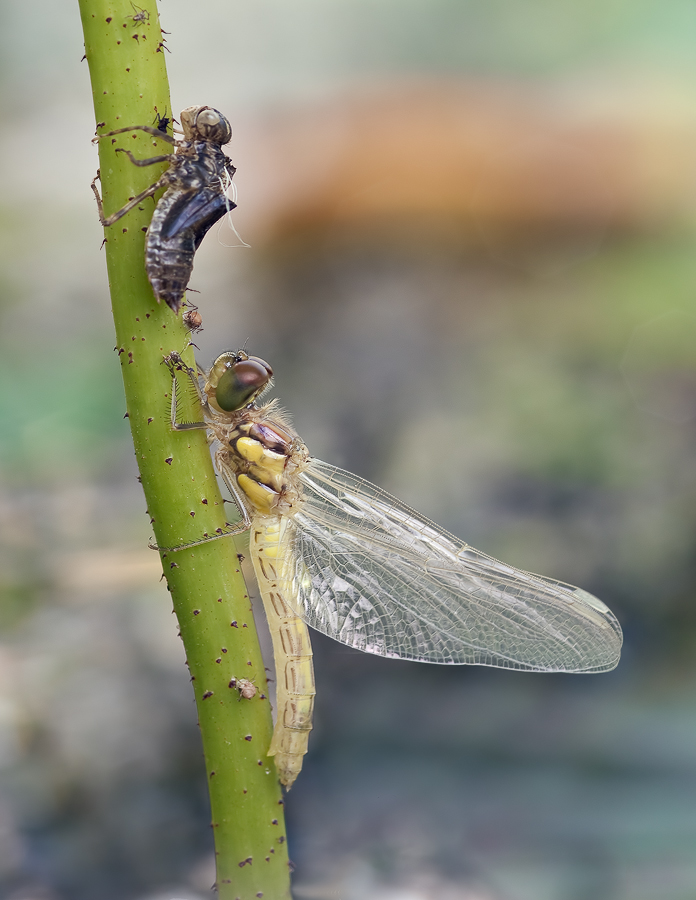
[241, 382]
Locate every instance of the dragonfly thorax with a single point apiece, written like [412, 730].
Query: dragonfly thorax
[262, 457]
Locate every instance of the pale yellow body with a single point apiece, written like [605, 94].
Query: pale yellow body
[260, 457]
[292, 650]
[268, 483]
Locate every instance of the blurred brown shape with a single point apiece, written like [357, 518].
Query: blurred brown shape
[488, 156]
[106, 570]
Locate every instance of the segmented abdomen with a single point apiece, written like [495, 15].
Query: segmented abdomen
[292, 650]
[179, 224]
[168, 262]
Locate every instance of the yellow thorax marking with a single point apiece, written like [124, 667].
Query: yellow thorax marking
[261, 496]
[255, 452]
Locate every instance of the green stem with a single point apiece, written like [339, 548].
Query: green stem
[129, 86]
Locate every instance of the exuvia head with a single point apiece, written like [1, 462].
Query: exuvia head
[203, 123]
[236, 379]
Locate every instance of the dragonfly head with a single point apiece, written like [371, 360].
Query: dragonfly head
[203, 123]
[236, 379]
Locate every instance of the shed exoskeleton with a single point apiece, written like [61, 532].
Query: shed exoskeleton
[195, 198]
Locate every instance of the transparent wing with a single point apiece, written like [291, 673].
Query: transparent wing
[368, 571]
[199, 213]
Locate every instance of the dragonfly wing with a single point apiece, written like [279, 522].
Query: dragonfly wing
[198, 213]
[372, 573]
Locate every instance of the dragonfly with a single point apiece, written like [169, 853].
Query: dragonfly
[195, 198]
[336, 553]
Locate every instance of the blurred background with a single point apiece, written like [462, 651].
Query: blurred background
[472, 231]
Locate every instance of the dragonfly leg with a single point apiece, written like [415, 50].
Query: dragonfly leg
[232, 488]
[148, 128]
[109, 220]
[239, 528]
[149, 161]
[175, 363]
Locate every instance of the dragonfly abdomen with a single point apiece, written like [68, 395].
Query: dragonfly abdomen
[168, 263]
[292, 651]
[178, 226]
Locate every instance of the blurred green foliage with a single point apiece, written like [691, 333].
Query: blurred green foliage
[65, 420]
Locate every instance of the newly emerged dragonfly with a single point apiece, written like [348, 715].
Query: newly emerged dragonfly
[335, 552]
[196, 181]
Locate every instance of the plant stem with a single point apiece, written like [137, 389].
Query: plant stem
[123, 44]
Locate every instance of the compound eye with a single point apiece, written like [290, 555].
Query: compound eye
[208, 117]
[213, 126]
[262, 362]
[241, 383]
